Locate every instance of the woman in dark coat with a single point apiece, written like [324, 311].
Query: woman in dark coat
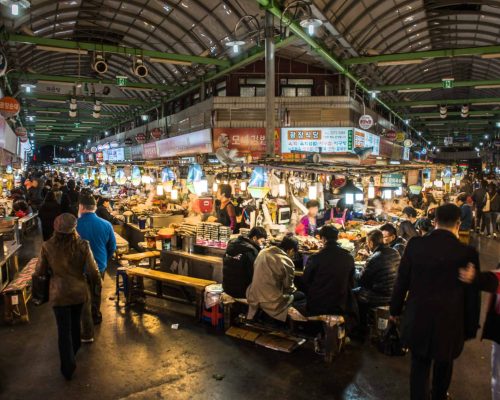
[48, 212]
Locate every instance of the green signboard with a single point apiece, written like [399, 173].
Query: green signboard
[350, 139]
[121, 80]
[448, 83]
[392, 180]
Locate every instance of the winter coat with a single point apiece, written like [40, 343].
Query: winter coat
[495, 202]
[328, 280]
[465, 217]
[398, 244]
[34, 197]
[66, 267]
[378, 278]
[103, 212]
[48, 212]
[272, 286]
[441, 312]
[237, 272]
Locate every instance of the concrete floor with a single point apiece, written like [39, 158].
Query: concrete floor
[137, 355]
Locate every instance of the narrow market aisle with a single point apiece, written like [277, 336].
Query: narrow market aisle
[137, 355]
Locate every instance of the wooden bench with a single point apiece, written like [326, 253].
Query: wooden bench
[17, 294]
[135, 285]
[333, 325]
[136, 258]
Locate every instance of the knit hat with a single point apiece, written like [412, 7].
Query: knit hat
[65, 223]
[87, 200]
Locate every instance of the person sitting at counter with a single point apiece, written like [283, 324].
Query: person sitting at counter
[308, 225]
[238, 262]
[329, 277]
[392, 239]
[226, 214]
[272, 289]
[424, 226]
[407, 228]
[103, 211]
[377, 281]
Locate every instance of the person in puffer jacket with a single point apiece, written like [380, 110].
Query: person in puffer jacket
[377, 281]
[238, 262]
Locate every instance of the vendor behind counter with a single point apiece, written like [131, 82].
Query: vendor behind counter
[225, 211]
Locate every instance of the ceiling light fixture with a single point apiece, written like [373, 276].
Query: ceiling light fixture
[414, 90]
[491, 55]
[62, 50]
[310, 24]
[487, 87]
[236, 43]
[399, 62]
[169, 61]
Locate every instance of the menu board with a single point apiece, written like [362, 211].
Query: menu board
[392, 180]
[317, 140]
[150, 151]
[116, 154]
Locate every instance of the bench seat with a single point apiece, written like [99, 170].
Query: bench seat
[136, 276]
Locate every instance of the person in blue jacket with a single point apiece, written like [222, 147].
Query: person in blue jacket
[99, 233]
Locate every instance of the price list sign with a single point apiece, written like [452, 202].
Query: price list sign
[315, 140]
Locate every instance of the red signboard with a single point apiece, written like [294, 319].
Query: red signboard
[246, 140]
[9, 107]
[149, 151]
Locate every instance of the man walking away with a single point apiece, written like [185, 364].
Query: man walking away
[441, 312]
[102, 241]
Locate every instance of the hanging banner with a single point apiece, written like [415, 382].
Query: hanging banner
[136, 152]
[116, 154]
[149, 151]
[199, 142]
[245, 140]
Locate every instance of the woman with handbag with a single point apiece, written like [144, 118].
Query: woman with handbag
[66, 257]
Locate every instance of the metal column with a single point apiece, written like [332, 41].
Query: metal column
[270, 84]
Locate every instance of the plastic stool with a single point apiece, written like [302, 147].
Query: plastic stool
[123, 286]
[214, 316]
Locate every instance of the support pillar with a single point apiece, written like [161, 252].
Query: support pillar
[270, 84]
[348, 87]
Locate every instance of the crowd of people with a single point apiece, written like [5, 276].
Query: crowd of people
[79, 241]
[430, 279]
[436, 295]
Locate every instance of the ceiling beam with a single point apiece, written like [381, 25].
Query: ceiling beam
[439, 85]
[103, 100]
[480, 101]
[472, 113]
[106, 48]
[422, 55]
[73, 79]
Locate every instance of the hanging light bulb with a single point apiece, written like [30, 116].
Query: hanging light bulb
[235, 44]
[14, 9]
[215, 187]
[282, 189]
[174, 194]
[371, 192]
[168, 186]
[313, 192]
[243, 186]
[159, 190]
[387, 194]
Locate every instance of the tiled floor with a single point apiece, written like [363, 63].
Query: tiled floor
[137, 355]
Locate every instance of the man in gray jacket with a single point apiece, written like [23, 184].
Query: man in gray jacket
[272, 289]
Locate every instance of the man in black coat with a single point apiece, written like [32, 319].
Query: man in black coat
[329, 278]
[237, 272]
[441, 312]
[392, 239]
[377, 281]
